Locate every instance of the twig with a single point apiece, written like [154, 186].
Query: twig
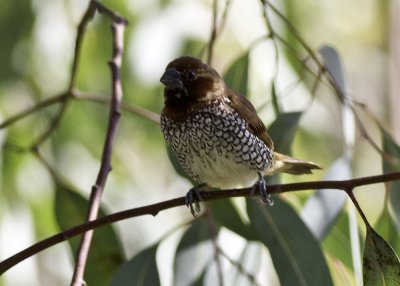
[320, 65]
[213, 35]
[53, 125]
[145, 113]
[33, 109]
[216, 28]
[154, 209]
[105, 168]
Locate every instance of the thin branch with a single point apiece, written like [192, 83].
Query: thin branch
[33, 109]
[154, 209]
[216, 28]
[213, 34]
[78, 42]
[97, 190]
[267, 4]
[145, 113]
[53, 125]
[358, 207]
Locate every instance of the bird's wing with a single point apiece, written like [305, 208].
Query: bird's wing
[247, 111]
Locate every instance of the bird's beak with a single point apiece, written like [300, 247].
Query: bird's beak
[172, 79]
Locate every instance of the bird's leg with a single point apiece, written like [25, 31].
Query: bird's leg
[265, 198]
[194, 196]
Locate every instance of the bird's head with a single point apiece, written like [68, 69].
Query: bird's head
[189, 82]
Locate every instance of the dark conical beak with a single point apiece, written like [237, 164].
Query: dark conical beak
[172, 79]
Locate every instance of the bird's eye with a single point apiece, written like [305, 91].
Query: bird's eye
[191, 75]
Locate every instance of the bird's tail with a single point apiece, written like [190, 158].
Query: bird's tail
[287, 164]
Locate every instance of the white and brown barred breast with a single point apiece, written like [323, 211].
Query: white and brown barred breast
[214, 146]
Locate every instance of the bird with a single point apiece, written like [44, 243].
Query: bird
[216, 134]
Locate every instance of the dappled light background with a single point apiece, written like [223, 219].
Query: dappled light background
[36, 52]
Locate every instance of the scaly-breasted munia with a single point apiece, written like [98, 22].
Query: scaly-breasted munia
[215, 132]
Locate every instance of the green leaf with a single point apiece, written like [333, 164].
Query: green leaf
[333, 64]
[381, 264]
[323, 207]
[193, 254]
[236, 77]
[275, 102]
[12, 35]
[387, 228]
[226, 214]
[296, 254]
[141, 270]
[283, 130]
[390, 147]
[106, 253]
[337, 243]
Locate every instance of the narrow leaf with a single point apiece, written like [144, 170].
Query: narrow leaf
[295, 252]
[338, 243]
[226, 214]
[141, 270]
[392, 148]
[106, 253]
[323, 207]
[283, 130]
[381, 264]
[275, 102]
[387, 228]
[193, 254]
[334, 66]
[236, 77]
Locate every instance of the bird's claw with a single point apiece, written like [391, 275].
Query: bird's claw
[261, 186]
[194, 196]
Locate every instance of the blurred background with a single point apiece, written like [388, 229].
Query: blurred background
[36, 52]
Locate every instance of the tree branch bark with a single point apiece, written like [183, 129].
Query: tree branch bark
[347, 185]
[118, 27]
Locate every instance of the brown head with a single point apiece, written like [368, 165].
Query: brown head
[189, 84]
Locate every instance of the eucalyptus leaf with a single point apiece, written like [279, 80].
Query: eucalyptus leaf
[141, 270]
[338, 243]
[275, 101]
[323, 207]
[236, 77]
[226, 214]
[295, 252]
[106, 252]
[283, 130]
[387, 228]
[381, 264]
[334, 66]
[392, 148]
[193, 254]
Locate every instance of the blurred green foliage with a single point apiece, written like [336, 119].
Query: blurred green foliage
[36, 51]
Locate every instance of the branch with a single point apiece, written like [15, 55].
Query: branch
[33, 109]
[154, 209]
[145, 113]
[338, 92]
[118, 28]
[215, 28]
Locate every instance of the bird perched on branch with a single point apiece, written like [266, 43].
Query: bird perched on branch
[216, 134]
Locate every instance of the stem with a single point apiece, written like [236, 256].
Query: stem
[154, 209]
[105, 168]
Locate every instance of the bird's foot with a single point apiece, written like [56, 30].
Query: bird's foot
[261, 186]
[193, 196]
